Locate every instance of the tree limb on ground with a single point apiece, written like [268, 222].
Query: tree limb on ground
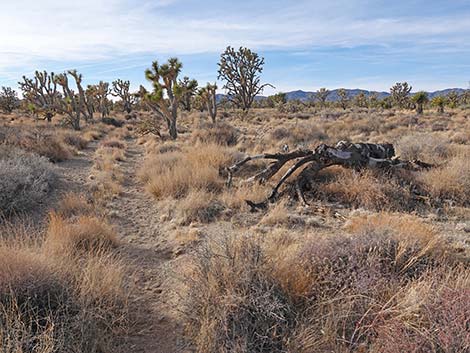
[350, 155]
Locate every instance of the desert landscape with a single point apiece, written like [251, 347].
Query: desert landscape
[168, 215]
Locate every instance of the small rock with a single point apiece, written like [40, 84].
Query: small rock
[463, 227]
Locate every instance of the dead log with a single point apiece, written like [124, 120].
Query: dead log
[349, 155]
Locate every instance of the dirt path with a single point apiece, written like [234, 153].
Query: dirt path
[136, 218]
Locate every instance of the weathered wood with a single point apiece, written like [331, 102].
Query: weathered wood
[348, 155]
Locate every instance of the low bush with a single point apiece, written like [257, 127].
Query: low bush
[25, 180]
[345, 293]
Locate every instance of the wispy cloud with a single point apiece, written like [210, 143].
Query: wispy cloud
[33, 32]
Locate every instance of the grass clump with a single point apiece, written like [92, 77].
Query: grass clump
[338, 293]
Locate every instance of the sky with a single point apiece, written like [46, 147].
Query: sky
[307, 44]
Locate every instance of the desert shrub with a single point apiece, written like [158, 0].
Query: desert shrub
[72, 205]
[324, 293]
[368, 189]
[218, 133]
[450, 181]
[25, 179]
[113, 143]
[174, 174]
[232, 305]
[74, 139]
[199, 206]
[425, 147]
[85, 234]
[304, 134]
[38, 141]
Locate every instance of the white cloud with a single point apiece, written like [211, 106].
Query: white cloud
[33, 31]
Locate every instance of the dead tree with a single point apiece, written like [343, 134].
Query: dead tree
[41, 93]
[349, 155]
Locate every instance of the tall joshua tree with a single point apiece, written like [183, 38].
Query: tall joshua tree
[121, 89]
[321, 95]
[400, 94]
[190, 88]
[8, 100]
[439, 102]
[73, 104]
[167, 91]
[41, 93]
[241, 70]
[208, 97]
[420, 99]
[97, 96]
[343, 98]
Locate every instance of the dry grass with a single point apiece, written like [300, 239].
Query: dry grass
[175, 174]
[317, 294]
[72, 205]
[53, 302]
[85, 234]
[451, 181]
[199, 206]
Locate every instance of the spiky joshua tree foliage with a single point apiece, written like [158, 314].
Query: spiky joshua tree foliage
[321, 95]
[41, 93]
[73, 104]
[400, 94]
[439, 102]
[420, 99]
[343, 98]
[241, 70]
[190, 88]
[121, 89]
[8, 100]
[167, 92]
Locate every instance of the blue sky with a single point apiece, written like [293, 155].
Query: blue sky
[306, 44]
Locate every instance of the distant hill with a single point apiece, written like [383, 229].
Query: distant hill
[333, 96]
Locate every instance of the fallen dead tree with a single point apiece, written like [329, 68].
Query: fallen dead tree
[349, 155]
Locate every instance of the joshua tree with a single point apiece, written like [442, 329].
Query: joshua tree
[439, 102]
[400, 94]
[343, 98]
[208, 96]
[277, 100]
[360, 100]
[374, 100]
[420, 99]
[241, 70]
[121, 90]
[167, 92]
[73, 104]
[321, 95]
[190, 88]
[41, 93]
[97, 98]
[8, 100]
[453, 99]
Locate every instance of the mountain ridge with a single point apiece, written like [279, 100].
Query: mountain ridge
[334, 97]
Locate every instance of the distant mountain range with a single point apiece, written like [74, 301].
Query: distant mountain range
[333, 96]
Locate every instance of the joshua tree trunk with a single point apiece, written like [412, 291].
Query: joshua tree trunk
[419, 109]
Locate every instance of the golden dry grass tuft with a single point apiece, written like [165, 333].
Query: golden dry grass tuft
[54, 302]
[175, 174]
[84, 234]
